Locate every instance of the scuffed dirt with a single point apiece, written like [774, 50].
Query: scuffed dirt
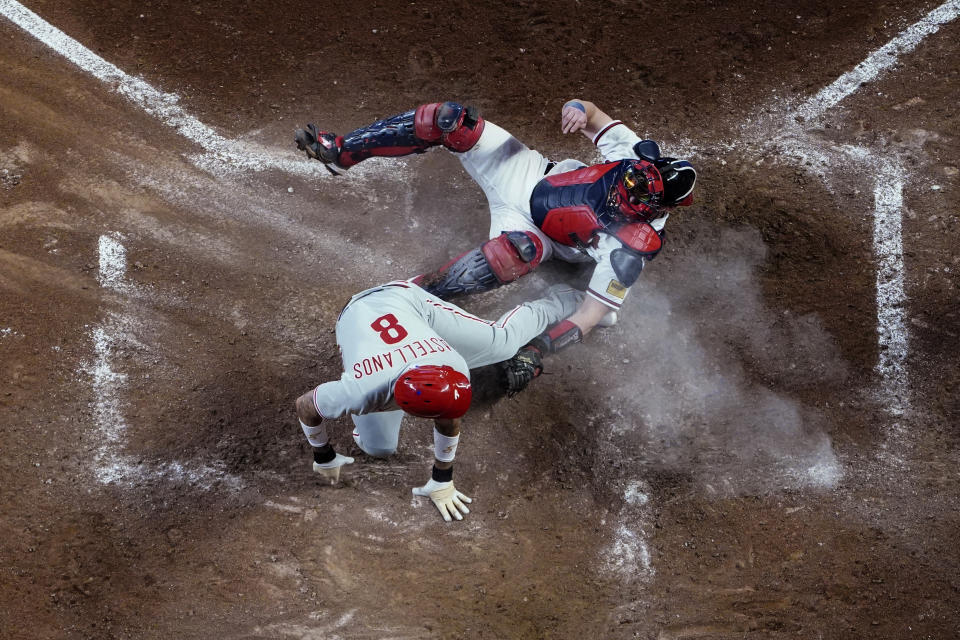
[723, 463]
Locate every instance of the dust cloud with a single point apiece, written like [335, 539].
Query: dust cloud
[714, 384]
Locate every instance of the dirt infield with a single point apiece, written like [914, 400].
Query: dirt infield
[765, 446]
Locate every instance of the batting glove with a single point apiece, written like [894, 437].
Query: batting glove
[445, 497]
[330, 471]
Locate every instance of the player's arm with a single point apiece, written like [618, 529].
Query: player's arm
[326, 461]
[440, 489]
[583, 116]
[445, 452]
[572, 329]
[588, 315]
[520, 370]
[621, 259]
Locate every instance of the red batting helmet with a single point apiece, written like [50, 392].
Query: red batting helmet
[433, 391]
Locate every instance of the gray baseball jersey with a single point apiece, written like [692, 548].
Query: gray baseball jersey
[387, 329]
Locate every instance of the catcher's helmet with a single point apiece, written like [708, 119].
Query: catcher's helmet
[432, 391]
[652, 183]
[639, 191]
[679, 177]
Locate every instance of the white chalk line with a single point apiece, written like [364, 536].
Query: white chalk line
[220, 153]
[891, 295]
[892, 333]
[879, 61]
[893, 337]
[628, 554]
[110, 466]
[112, 262]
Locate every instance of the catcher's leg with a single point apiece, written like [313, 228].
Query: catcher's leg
[498, 261]
[441, 123]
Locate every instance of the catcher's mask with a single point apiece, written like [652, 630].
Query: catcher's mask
[432, 391]
[638, 193]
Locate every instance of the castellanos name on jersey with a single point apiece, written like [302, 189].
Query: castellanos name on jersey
[380, 337]
[402, 355]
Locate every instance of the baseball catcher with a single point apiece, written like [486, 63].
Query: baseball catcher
[406, 351]
[612, 213]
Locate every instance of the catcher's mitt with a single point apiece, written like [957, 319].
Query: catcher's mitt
[518, 371]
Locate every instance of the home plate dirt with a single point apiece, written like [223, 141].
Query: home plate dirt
[764, 446]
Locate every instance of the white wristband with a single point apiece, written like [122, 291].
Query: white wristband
[316, 436]
[444, 447]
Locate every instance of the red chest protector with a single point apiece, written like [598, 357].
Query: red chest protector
[571, 207]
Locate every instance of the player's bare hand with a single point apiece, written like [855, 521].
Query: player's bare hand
[330, 471]
[573, 117]
[449, 501]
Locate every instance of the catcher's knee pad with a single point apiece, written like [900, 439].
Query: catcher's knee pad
[498, 261]
[454, 126]
[513, 254]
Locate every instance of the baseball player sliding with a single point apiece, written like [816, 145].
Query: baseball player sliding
[612, 213]
[406, 351]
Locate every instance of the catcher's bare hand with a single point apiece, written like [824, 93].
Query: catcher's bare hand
[521, 369]
[572, 118]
